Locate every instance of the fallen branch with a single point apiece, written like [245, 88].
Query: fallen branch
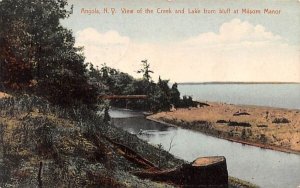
[132, 155]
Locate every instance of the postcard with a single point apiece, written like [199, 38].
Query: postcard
[150, 93]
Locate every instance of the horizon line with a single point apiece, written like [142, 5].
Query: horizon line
[236, 82]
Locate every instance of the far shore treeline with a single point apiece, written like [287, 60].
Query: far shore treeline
[38, 56]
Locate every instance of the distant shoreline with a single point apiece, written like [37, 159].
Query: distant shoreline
[205, 83]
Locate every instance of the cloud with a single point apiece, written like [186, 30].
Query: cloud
[102, 47]
[93, 37]
[235, 32]
[239, 51]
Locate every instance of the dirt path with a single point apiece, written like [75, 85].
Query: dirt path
[272, 128]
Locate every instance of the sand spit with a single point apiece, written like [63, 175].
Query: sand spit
[265, 127]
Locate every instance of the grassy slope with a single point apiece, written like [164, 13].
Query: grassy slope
[71, 146]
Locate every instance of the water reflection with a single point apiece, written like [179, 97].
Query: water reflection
[137, 125]
[122, 113]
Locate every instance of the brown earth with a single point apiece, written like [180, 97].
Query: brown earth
[272, 128]
[4, 95]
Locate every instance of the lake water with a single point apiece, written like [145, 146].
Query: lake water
[273, 95]
[265, 168]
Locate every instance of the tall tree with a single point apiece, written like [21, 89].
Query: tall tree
[37, 52]
[175, 95]
[145, 70]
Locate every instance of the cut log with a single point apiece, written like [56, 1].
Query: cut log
[203, 172]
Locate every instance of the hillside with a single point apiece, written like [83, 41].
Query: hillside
[44, 145]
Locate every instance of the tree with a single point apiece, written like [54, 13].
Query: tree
[187, 102]
[15, 68]
[175, 95]
[121, 81]
[37, 53]
[139, 87]
[106, 117]
[164, 91]
[145, 70]
[94, 73]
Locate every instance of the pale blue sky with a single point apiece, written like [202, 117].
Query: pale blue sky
[193, 47]
[177, 27]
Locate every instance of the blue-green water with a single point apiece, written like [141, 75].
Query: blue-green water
[273, 95]
[266, 168]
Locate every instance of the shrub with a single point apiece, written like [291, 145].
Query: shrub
[280, 120]
[241, 124]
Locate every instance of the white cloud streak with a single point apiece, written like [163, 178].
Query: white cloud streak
[239, 51]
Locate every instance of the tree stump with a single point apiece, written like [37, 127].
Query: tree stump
[203, 172]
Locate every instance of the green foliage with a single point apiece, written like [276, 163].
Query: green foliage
[67, 90]
[175, 95]
[38, 55]
[45, 135]
[160, 96]
[145, 70]
[187, 101]
[106, 117]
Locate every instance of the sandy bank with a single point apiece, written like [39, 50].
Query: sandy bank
[265, 127]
